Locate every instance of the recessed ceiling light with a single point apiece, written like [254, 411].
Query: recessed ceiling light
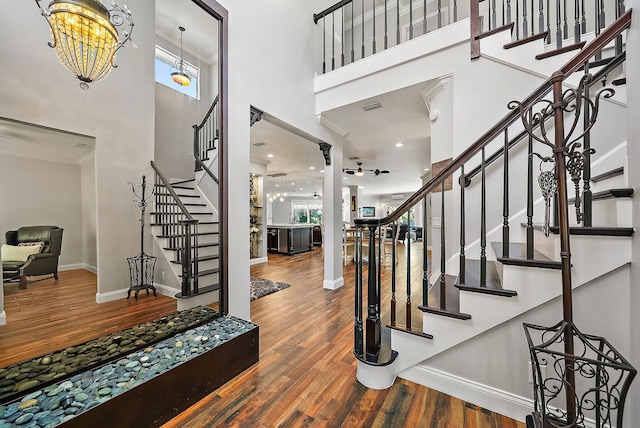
[345, 178]
[312, 167]
[322, 170]
[270, 155]
[83, 145]
[371, 106]
[259, 143]
[360, 187]
[277, 185]
[426, 169]
[399, 144]
[293, 184]
[301, 188]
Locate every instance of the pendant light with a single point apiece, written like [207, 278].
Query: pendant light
[180, 74]
[85, 36]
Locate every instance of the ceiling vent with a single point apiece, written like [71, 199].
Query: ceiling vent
[277, 174]
[397, 197]
[259, 143]
[353, 158]
[83, 146]
[371, 106]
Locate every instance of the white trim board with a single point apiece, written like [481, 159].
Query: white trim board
[3, 318]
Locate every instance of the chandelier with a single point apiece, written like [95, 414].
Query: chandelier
[179, 73]
[85, 38]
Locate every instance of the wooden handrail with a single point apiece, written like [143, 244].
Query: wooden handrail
[605, 37]
[207, 170]
[330, 9]
[172, 192]
[206, 116]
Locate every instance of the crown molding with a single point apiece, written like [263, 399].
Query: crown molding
[332, 126]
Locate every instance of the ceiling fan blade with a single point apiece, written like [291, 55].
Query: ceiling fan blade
[384, 171]
[350, 171]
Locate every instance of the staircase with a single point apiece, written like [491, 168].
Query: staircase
[185, 221]
[513, 268]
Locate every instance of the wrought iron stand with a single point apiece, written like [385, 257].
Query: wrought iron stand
[585, 381]
[141, 267]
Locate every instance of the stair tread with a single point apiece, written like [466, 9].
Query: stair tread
[609, 174]
[200, 223]
[189, 180]
[196, 213]
[177, 186]
[619, 82]
[492, 285]
[526, 40]
[562, 50]
[386, 356]
[198, 234]
[452, 300]
[608, 194]
[593, 231]
[179, 195]
[495, 31]
[206, 272]
[518, 256]
[200, 259]
[190, 204]
[201, 290]
[399, 327]
[212, 244]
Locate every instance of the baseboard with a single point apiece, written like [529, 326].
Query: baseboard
[487, 397]
[258, 260]
[328, 284]
[3, 318]
[166, 290]
[76, 266]
[111, 295]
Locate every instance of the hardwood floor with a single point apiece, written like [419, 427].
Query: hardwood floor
[306, 375]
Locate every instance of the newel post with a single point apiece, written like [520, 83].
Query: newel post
[373, 332]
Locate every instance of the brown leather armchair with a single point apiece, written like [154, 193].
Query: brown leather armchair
[43, 263]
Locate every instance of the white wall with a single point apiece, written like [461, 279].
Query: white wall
[118, 112]
[36, 192]
[88, 191]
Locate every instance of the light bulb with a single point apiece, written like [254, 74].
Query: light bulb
[281, 199]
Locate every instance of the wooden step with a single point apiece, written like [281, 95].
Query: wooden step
[590, 231]
[190, 180]
[399, 327]
[608, 194]
[518, 256]
[200, 259]
[179, 195]
[452, 300]
[186, 204]
[619, 82]
[212, 244]
[386, 356]
[492, 285]
[176, 187]
[193, 234]
[508, 27]
[526, 40]
[192, 214]
[609, 174]
[201, 290]
[200, 223]
[562, 50]
[206, 272]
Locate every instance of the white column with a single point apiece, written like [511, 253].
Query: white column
[332, 218]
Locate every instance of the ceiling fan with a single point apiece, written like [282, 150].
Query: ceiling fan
[360, 172]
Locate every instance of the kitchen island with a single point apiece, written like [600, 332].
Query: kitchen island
[289, 238]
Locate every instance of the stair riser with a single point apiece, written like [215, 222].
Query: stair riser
[616, 212]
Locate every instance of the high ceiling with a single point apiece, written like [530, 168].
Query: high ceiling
[372, 138]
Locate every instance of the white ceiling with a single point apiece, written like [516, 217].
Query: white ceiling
[37, 142]
[372, 136]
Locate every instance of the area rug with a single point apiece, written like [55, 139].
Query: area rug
[261, 287]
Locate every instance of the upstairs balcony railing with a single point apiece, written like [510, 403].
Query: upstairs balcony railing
[355, 29]
[557, 124]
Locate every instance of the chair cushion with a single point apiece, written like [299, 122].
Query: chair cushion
[35, 233]
[19, 253]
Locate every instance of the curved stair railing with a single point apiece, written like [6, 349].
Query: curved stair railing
[205, 136]
[180, 229]
[369, 255]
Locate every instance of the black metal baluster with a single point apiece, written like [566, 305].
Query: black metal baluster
[425, 255]
[373, 18]
[439, 13]
[583, 22]
[576, 25]
[408, 241]
[362, 27]
[463, 260]
[517, 20]
[505, 197]
[483, 225]
[565, 25]
[424, 17]
[397, 22]
[455, 10]
[587, 196]
[394, 227]
[549, 22]
[333, 43]
[373, 317]
[558, 25]
[410, 19]
[508, 11]
[541, 16]
[443, 263]
[324, 49]
[493, 16]
[342, 37]
[386, 45]
[353, 36]
[619, 13]
[194, 270]
[358, 339]
[530, 197]
[525, 23]
[379, 262]
[601, 17]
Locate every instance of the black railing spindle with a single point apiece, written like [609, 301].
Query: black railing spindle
[424, 16]
[408, 241]
[587, 196]
[425, 255]
[565, 24]
[505, 197]
[373, 331]
[576, 25]
[455, 10]
[493, 21]
[541, 16]
[530, 198]
[342, 36]
[362, 28]
[398, 22]
[525, 23]
[333, 43]
[353, 36]
[324, 45]
[358, 330]
[373, 19]
[394, 235]
[483, 225]
[443, 262]
[463, 260]
[508, 12]
[386, 43]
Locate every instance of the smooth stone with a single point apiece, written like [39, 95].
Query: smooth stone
[104, 391]
[34, 394]
[32, 409]
[28, 403]
[144, 359]
[132, 364]
[67, 385]
[148, 350]
[26, 385]
[179, 344]
[71, 410]
[24, 418]
[10, 409]
[82, 397]
[46, 361]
